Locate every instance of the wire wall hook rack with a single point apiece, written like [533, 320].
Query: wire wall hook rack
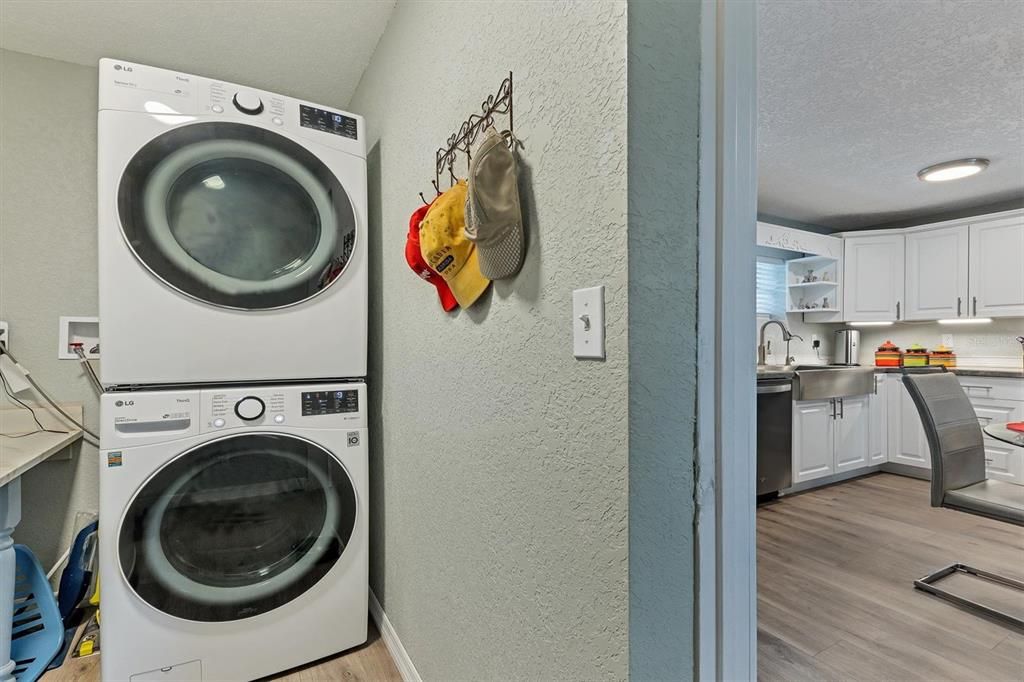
[498, 104]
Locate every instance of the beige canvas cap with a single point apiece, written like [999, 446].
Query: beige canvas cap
[494, 220]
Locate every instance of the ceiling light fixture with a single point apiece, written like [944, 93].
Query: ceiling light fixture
[967, 320]
[952, 170]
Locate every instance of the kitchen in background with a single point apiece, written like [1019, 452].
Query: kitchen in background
[976, 341]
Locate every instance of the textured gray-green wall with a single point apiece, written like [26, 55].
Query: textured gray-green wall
[48, 265]
[664, 107]
[499, 462]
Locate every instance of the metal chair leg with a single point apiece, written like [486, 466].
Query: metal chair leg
[928, 584]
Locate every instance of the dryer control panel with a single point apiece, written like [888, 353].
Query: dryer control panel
[181, 98]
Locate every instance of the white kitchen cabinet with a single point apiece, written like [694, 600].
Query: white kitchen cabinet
[1003, 461]
[997, 268]
[878, 422]
[907, 442]
[936, 274]
[852, 433]
[873, 277]
[830, 437]
[813, 439]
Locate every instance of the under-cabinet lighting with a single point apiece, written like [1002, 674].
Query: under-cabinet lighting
[952, 170]
[870, 324]
[967, 320]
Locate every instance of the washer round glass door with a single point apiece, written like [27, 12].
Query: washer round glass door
[236, 216]
[237, 527]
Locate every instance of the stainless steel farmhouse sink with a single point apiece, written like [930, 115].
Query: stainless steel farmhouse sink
[817, 382]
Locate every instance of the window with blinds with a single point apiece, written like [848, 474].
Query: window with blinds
[771, 288]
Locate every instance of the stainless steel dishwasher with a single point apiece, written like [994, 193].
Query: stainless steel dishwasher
[774, 436]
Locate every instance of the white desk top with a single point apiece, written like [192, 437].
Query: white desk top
[18, 455]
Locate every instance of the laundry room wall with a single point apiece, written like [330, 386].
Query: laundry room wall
[499, 462]
[48, 266]
[503, 534]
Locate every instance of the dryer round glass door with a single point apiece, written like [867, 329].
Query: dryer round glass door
[236, 216]
[237, 527]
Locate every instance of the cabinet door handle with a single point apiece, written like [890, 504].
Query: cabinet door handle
[842, 409]
[975, 314]
[959, 305]
[833, 401]
[897, 310]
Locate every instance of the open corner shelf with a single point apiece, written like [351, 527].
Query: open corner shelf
[812, 281]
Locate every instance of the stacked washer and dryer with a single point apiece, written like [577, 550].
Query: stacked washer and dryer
[233, 295]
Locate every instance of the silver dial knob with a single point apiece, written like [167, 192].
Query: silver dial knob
[250, 408]
[248, 102]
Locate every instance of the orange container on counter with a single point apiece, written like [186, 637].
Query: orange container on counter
[888, 355]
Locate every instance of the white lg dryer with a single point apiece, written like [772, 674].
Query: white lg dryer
[232, 232]
[233, 530]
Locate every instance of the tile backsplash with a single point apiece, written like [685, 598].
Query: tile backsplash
[989, 345]
[801, 350]
[992, 344]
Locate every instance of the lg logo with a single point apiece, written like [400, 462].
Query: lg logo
[123, 403]
[118, 67]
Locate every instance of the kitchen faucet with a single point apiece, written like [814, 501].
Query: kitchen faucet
[762, 349]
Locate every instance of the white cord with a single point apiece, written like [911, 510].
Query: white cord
[60, 562]
[51, 401]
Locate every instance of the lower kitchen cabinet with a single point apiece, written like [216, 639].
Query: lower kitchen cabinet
[846, 434]
[813, 439]
[853, 433]
[830, 437]
[908, 444]
[998, 400]
[878, 421]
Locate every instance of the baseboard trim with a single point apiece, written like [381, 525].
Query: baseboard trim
[391, 641]
[829, 480]
[908, 471]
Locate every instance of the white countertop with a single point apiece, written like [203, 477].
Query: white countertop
[18, 455]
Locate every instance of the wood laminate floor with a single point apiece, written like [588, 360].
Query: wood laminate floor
[835, 587]
[370, 662]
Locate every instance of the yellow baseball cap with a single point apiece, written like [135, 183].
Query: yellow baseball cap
[444, 246]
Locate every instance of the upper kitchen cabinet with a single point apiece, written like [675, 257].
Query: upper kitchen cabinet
[873, 277]
[997, 268]
[936, 275]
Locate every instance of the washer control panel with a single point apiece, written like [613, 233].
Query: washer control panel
[310, 405]
[329, 402]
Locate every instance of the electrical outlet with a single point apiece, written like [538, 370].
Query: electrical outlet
[947, 340]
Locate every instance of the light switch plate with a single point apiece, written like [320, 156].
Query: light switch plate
[588, 322]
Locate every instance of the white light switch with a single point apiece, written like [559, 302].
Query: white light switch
[588, 322]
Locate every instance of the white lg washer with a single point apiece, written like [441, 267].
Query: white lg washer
[233, 530]
[232, 232]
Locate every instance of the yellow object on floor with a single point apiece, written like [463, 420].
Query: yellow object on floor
[95, 599]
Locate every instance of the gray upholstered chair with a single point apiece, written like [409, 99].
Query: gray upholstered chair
[958, 473]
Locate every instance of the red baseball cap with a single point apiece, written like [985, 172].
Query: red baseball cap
[415, 260]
